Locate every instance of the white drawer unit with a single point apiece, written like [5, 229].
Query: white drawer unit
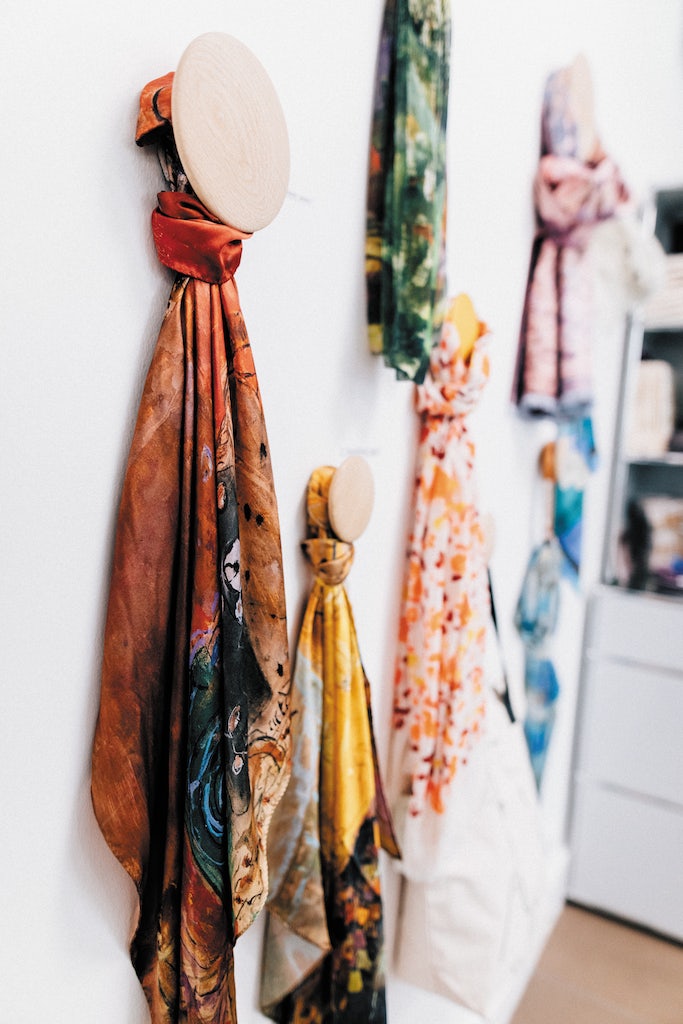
[639, 627]
[627, 858]
[626, 830]
[632, 731]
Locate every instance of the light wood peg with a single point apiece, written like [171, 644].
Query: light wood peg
[581, 88]
[351, 498]
[230, 131]
[547, 461]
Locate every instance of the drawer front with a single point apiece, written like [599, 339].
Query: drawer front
[637, 627]
[626, 859]
[630, 729]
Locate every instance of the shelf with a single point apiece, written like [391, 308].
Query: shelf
[627, 825]
[668, 459]
[652, 590]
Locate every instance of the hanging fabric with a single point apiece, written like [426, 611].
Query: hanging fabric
[406, 215]
[577, 186]
[575, 458]
[191, 746]
[536, 620]
[323, 952]
[439, 698]
[472, 895]
[463, 794]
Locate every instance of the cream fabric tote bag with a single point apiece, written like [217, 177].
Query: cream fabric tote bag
[473, 883]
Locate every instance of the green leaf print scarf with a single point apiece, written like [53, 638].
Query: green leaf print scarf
[406, 205]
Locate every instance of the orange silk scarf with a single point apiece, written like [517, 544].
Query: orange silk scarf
[439, 695]
[191, 749]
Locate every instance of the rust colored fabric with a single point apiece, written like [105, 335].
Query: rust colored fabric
[191, 749]
[154, 114]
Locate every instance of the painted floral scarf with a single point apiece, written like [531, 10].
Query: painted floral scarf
[323, 952]
[406, 205]
[191, 746]
[439, 694]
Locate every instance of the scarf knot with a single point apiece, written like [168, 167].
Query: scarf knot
[454, 383]
[191, 241]
[572, 197]
[330, 559]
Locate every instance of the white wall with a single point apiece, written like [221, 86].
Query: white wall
[83, 296]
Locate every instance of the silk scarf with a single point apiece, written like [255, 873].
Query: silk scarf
[439, 694]
[191, 745]
[575, 458]
[571, 196]
[536, 619]
[323, 951]
[406, 203]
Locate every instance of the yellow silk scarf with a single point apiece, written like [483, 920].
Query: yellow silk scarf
[323, 946]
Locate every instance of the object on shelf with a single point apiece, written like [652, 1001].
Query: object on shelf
[651, 544]
[406, 213]
[665, 558]
[323, 949]
[191, 747]
[665, 307]
[634, 548]
[653, 414]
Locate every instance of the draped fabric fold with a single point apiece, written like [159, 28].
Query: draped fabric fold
[191, 748]
[439, 693]
[406, 203]
[323, 950]
[572, 194]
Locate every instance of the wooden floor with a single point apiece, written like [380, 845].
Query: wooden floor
[597, 971]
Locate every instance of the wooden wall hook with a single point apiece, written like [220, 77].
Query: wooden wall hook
[583, 104]
[547, 462]
[351, 498]
[230, 131]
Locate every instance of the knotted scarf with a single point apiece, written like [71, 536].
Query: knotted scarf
[439, 696]
[191, 745]
[323, 952]
[406, 214]
[571, 196]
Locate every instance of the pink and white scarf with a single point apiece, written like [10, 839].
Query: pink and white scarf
[571, 196]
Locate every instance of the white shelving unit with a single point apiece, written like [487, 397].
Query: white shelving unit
[626, 821]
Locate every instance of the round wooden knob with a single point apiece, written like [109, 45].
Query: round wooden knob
[581, 88]
[547, 461]
[351, 497]
[230, 131]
